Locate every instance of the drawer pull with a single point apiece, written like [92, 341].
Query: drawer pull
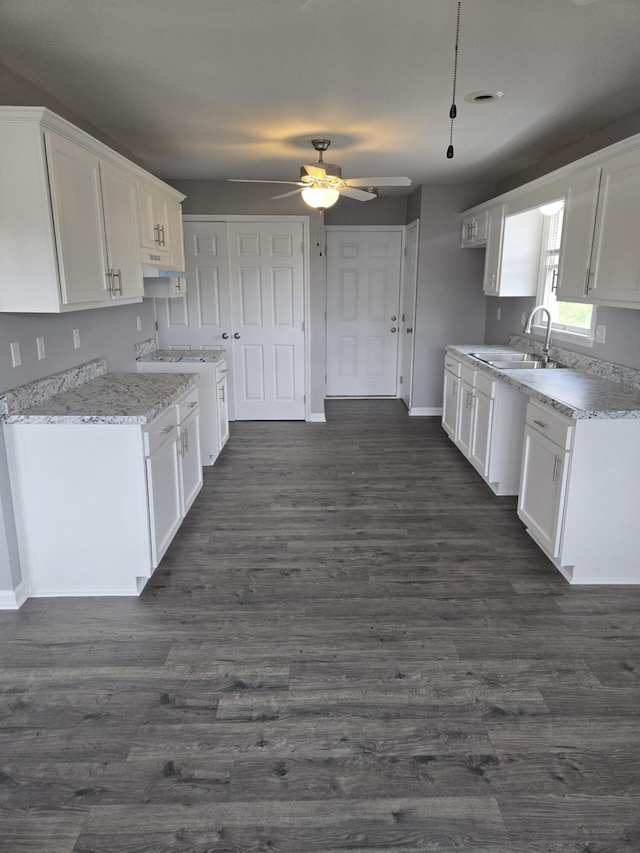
[557, 469]
[541, 424]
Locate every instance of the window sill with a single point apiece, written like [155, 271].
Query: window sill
[566, 337]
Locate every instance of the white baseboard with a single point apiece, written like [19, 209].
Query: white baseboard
[421, 412]
[13, 599]
[316, 418]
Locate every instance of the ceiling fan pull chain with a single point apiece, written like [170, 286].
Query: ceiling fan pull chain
[453, 112]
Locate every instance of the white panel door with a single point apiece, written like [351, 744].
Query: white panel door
[363, 293]
[408, 314]
[200, 318]
[266, 274]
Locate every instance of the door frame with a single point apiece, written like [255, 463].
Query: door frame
[304, 221]
[402, 230]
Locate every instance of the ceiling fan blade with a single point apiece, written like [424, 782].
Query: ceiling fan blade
[379, 182]
[316, 172]
[258, 181]
[351, 192]
[286, 195]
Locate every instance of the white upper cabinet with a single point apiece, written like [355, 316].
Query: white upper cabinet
[69, 227]
[474, 229]
[614, 272]
[161, 240]
[578, 223]
[78, 220]
[600, 251]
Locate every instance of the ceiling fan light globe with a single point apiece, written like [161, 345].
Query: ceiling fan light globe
[320, 197]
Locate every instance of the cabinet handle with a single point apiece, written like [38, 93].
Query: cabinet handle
[409, 331]
[167, 429]
[493, 281]
[587, 280]
[156, 234]
[222, 394]
[161, 239]
[110, 287]
[186, 441]
[118, 275]
[556, 467]
[541, 424]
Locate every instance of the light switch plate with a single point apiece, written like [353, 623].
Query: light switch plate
[42, 353]
[76, 338]
[601, 334]
[139, 323]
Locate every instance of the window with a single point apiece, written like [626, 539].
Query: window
[569, 319]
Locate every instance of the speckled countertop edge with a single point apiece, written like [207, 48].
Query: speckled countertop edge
[111, 398]
[35, 393]
[610, 399]
[148, 351]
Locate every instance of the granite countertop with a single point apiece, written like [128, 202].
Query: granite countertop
[213, 356]
[570, 391]
[111, 398]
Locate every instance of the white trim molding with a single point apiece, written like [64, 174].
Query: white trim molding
[13, 599]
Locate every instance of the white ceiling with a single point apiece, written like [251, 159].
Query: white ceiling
[237, 88]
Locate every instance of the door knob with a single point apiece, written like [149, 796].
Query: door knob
[236, 335]
[394, 318]
[393, 329]
[409, 331]
[225, 335]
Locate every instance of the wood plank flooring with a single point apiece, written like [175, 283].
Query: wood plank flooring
[351, 645]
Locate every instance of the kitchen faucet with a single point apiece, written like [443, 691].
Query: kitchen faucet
[527, 327]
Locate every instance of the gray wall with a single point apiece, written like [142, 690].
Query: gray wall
[450, 305]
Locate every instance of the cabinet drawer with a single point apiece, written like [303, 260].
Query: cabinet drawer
[485, 384]
[550, 424]
[452, 364]
[187, 404]
[468, 374]
[160, 429]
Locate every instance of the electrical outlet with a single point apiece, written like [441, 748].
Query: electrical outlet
[16, 358]
[523, 320]
[498, 313]
[601, 334]
[76, 338]
[139, 323]
[42, 353]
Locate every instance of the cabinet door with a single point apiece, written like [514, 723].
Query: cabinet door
[542, 489]
[481, 432]
[615, 260]
[191, 461]
[493, 257]
[121, 230]
[578, 223]
[175, 235]
[146, 216]
[165, 495]
[74, 179]
[466, 403]
[451, 388]
[223, 413]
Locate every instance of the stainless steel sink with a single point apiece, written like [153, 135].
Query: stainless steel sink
[516, 360]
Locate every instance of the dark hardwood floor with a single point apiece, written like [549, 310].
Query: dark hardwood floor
[350, 645]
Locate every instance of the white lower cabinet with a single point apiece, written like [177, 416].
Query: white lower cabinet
[579, 494]
[450, 393]
[98, 504]
[212, 393]
[485, 419]
[222, 389]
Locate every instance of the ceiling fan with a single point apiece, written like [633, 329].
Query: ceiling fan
[321, 184]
